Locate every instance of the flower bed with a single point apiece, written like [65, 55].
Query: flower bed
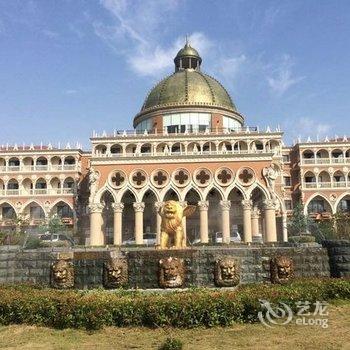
[198, 307]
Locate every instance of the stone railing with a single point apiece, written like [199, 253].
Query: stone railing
[31, 168]
[38, 191]
[334, 184]
[306, 161]
[276, 151]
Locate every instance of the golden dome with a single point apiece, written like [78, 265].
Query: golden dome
[188, 87]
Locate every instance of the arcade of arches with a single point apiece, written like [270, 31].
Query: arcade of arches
[215, 220]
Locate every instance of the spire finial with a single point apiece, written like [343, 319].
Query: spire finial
[186, 43]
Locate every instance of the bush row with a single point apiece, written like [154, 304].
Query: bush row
[198, 307]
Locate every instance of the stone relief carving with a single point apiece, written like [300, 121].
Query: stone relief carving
[171, 273]
[115, 273]
[281, 269]
[62, 274]
[227, 272]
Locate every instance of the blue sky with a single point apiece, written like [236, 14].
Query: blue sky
[68, 67]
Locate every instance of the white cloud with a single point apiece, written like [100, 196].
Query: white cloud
[70, 92]
[2, 26]
[281, 78]
[155, 61]
[50, 34]
[141, 48]
[306, 126]
[229, 67]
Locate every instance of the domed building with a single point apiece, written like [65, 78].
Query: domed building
[192, 145]
[189, 144]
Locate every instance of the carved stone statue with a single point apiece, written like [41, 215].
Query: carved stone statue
[227, 272]
[281, 269]
[172, 234]
[93, 182]
[270, 174]
[171, 273]
[115, 273]
[62, 274]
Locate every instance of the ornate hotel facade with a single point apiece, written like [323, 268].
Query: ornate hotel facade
[189, 144]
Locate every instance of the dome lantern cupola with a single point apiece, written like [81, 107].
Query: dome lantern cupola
[187, 58]
[188, 99]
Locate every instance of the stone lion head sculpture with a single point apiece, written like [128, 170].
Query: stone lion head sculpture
[115, 273]
[171, 273]
[281, 269]
[62, 274]
[227, 272]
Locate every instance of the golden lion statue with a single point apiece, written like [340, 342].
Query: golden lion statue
[171, 230]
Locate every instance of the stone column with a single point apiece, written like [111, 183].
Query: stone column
[157, 206]
[255, 222]
[184, 228]
[139, 208]
[285, 227]
[225, 216]
[270, 221]
[247, 220]
[203, 216]
[118, 219]
[96, 234]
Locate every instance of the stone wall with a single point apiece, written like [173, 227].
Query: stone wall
[200, 262]
[18, 265]
[339, 257]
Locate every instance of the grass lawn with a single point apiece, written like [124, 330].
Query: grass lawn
[240, 336]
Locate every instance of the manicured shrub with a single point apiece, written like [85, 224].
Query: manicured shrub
[171, 344]
[37, 305]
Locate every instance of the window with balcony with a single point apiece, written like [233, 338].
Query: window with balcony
[317, 206]
[64, 211]
[69, 160]
[288, 204]
[36, 213]
[12, 185]
[344, 204]
[286, 158]
[8, 212]
[308, 155]
[287, 181]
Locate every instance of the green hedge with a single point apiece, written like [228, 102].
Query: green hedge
[197, 307]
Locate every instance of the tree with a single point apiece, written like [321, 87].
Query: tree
[53, 225]
[299, 222]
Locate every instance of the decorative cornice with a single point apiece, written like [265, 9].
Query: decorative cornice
[176, 159]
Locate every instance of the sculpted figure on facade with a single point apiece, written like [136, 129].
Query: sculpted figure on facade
[271, 174]
[93, 182]
[281, 269]
[172, 213]
[227, 272]
[62, 274]
[171, 273]
[115, 273]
